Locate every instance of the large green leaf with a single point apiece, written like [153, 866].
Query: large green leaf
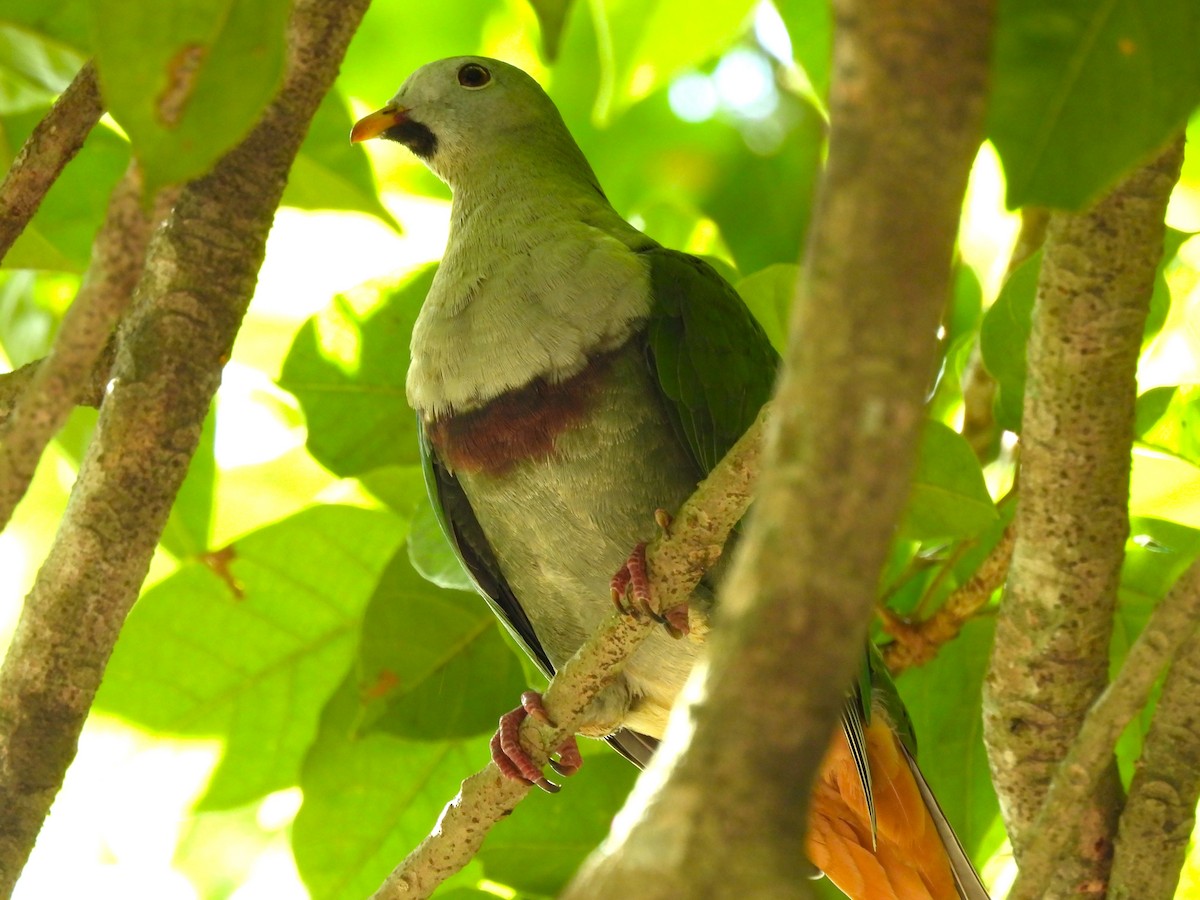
[187, 79]
[538, 848]
[949, 496]
[652, 41]
[329, 171]
[62, 21]
[249, 648]
[769, 293]
[369, 801]
[431, 554]
[1003, 339]
[348, 370]
[943, 700]
[810, 26]
[432, 663]
[1168, 419]
[1083, 90]
[61, 233]
[34, 61]
[190, 523]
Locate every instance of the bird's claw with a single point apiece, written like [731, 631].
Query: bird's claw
[514, 761]
[630, 588]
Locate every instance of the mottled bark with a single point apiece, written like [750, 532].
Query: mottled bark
[1159, 814]
[67, 373]
[1171, 625]
[722, 810]
[199, 276]
[676, 561]
[54, 142]
[1050, 660]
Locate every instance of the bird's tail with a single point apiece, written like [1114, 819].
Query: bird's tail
[911, 854]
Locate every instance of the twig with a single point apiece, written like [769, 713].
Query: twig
[1160, 810]
[1172, 623]
[676, 561]
[60, 379]
[197, 282]
[916, 643]
[55, 140]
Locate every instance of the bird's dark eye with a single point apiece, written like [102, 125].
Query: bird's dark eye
[473, 75]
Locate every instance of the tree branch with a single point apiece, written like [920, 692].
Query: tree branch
[1172, 623]
[675, 561]
[58, 381]
[917, 643]
[55, 140]
[1050, 658]
[722, 809]
[197, 282]
[1160, 813]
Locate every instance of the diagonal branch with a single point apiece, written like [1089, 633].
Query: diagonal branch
[55, 140]
[1051, 653]
[1160, 812]
[194, 290]
[676, 561]
[62, 378]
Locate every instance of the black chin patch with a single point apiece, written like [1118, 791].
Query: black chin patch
[415, 136]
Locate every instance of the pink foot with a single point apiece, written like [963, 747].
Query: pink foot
[631, 593]
[511, 758]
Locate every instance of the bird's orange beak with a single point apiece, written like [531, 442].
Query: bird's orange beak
[377, 123]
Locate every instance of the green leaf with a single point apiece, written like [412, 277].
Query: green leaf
[1168, 419]
[1160, 299]
[810, 26]
[769, 293]
[62, 21]
[190, 523]
[249, 648]
[1004, 336]
[431, 554]
[369, 801]
[943, 700]
[538, 848]
[348, 370]
[61, 233]
[330, 172]
[652, 41]
[432, 663]
[187, 79]
[1082, 91]
[949, 496]
[35, 61]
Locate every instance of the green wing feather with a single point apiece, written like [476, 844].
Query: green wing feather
[714, 363]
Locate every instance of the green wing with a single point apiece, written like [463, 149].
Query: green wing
[714, 363]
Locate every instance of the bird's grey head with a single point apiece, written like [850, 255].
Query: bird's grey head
[458, 114]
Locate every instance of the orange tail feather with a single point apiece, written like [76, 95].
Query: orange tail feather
[908, 861]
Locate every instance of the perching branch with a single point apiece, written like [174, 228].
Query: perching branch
[676, 561]
[55, 140]
[725, 800]
[13, 384]
[1050, 658]
[59, 380]
[1159, 814]
[197, 282]
[1172, 623]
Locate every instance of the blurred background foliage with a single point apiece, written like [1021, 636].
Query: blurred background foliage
[305, 681]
